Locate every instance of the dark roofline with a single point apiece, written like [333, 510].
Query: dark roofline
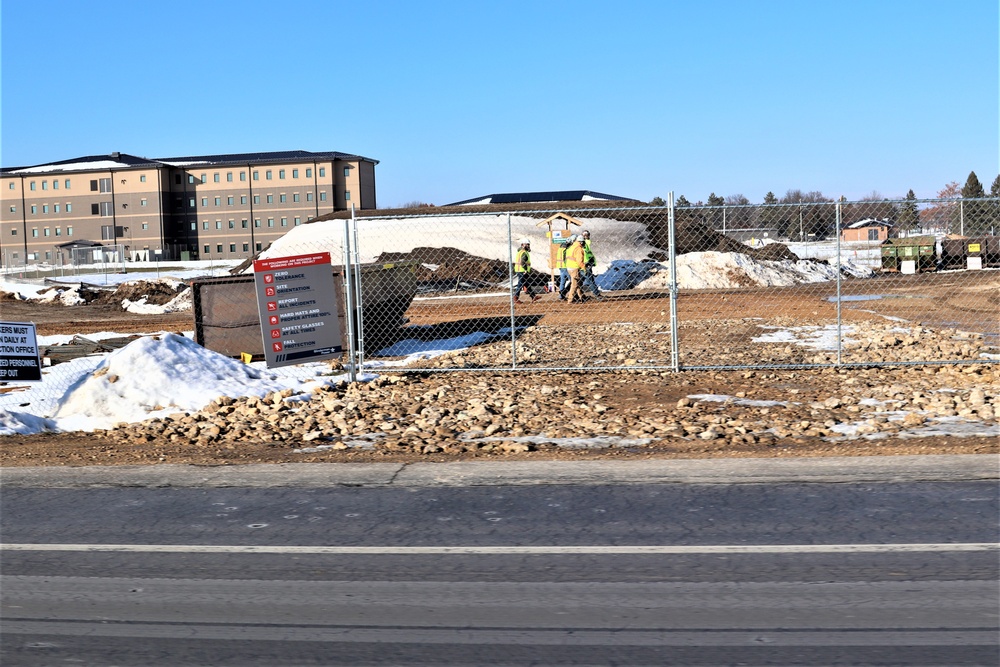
[541, 197]
[133, 161]
[274, 156]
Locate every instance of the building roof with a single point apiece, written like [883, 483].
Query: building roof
[540, 197]
[125, 161]
[868, 222]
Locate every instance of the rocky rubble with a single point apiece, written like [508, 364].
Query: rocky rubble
[499, 413]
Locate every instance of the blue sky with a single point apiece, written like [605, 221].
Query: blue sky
[461, 99]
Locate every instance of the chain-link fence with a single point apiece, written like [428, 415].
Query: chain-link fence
[817, 284]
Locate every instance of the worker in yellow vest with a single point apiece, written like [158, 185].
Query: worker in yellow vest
[522, 267]
[563, 271]
[589, 262]
[574, 264]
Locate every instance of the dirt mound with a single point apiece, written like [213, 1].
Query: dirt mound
[155, 292]
[455, 268]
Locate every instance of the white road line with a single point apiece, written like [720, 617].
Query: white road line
[501, 550]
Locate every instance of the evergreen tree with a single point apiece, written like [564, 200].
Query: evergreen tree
[657, 201]
[909, 217]
[995, 188]
[714, 200]
[681, 202]
[975, 215]
[769, 198]
[973, 188]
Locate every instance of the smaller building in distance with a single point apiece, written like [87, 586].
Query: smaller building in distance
[540, 198]
[868, 229]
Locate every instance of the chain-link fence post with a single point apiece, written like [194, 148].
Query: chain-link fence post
[510, 277]
[840, 272]
[349, 294]
[359, 293]
[672, 257]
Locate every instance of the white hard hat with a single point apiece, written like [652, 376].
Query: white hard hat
[525, 242]
[585, 233]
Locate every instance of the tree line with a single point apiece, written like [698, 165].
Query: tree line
[808, 215]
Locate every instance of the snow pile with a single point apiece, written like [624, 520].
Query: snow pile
[67, 296]
[699, 270]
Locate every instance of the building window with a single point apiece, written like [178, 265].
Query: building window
[31, 186]
[58, 231]
[194, 226]
[309, 196]
[191, 202]
[232, 224]
[267, 175]
[45, 185]
[142, 178]
[204, 201]
[10, 186]
[208, 249]
[204, 224]
[177, 180]
[243, 199]
[215, 177]
[282, 198]
[204, 178]
[106, 211]
[218, 201]
[218, 248]
[69, 207]
[45, 208]
[69, 231]
[13, 231]
[256, 223]
[256, 175]
[45, 232]
[284, 222]
[873, 235]
[295, 197]
[256, 199]
[309, 173]
[55, 208]
[48, 255]
[281, 173]
[13, 209]
[347, 172]
[142, 202]
[295, 173]
[229, 177]
[246, 247]
[34, 209]
[243, 176]
[243, 223]
[34, 232]
[218, 224]
[322, 172]
[297, 221]
[232, 247]
[270, 199]
[270, 222]
[55, 185]
[322, 196]
[190, 178]
[257, 246]
[229, 200]
[347, 195]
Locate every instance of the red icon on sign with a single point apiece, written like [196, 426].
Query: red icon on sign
[277, 347]
[269, 291]
[268, 278]
[272, 319]
[272, 305]
[275, 333]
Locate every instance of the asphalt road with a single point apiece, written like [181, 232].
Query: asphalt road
[875, 572]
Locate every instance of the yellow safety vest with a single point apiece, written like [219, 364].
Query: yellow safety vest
[518, 268]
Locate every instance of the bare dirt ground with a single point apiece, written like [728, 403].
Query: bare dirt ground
[646, 406]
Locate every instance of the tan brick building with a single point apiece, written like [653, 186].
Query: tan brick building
[198, 207]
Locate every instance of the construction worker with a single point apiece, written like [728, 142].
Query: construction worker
[563, 271]
[522, 267]
[589, 262]
[574, 264]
